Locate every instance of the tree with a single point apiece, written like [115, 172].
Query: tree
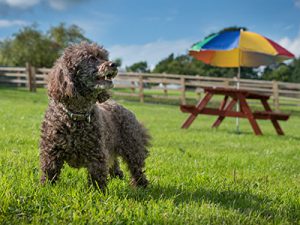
[182, 64]
[233, 28]
[64, 36]
[295, 75]
[28, 45]
[283, 72]
[6, 54]
[139, 67]
[39, 49]
[118, 62]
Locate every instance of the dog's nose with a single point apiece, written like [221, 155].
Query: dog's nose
[113, 65]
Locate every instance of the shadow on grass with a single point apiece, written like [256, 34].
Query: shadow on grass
[292, 137]
[244, 202]
[246, 132]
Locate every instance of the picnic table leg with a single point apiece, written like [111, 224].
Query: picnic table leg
[199, 107]
[222, 107]
[246, 109]
[223, 103]
[274, 122]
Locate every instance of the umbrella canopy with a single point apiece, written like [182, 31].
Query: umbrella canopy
[239, 49]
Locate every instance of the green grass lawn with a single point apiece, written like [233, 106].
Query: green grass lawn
[198, 176]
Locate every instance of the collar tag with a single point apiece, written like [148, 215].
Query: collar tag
[78, 116]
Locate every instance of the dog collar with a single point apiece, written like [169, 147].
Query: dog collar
[78, 116]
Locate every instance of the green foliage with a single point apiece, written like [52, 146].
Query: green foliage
[283, 72]
[295, 75]
[6, 55]
[182, 64]
[187, 65]
[64, 36]
[118, 62]
[139, 67]
[28, 45]
[233, 28]
[39, 49]
[198, 176]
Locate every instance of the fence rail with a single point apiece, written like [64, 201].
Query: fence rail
[139, 84]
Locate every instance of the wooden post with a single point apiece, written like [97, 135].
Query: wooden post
[226, 83]
[132, 86]
[33, 79]
[198, 94]
[275, 90]
[183, 97]
[165, 89]
[141, 89]
[29, 77]
[45, 77]
[235, 80]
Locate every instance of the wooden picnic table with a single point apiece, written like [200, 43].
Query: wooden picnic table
[232, 96]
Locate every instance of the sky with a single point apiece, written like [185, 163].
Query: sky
[141, 30]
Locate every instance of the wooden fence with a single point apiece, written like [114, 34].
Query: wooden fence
[159, 86]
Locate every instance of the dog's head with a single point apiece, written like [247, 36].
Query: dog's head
[83, 70]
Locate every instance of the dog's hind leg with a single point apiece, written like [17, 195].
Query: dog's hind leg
[136, 163]
[115, 170]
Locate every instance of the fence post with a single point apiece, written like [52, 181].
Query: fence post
[132, 84]
[275, 90]
[235, 81]
[33, 78]
[45, 79]
[165, 89]
[183, 97]
[141, 89]
[226, 83]
[29, 76]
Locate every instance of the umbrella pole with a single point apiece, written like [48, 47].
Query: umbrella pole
[238, 103]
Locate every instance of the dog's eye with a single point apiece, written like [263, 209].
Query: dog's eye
[93, 58]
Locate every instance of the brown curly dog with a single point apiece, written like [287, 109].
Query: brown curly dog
[82, 127]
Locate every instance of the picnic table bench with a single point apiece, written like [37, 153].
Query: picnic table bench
[237, 96]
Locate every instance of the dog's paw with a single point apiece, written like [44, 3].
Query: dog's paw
[141, 182]
[117, 174]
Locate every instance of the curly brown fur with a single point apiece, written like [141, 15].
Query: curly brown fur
[84, 129]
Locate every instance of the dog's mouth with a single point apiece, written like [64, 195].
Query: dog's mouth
[104, 79]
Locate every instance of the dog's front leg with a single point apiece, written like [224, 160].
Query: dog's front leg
[51, 165]
[115, 170]
[98, 173]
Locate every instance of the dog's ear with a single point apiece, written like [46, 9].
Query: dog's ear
[103, 96]
[60, 84]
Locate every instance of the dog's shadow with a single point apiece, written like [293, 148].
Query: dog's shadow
[243, 202]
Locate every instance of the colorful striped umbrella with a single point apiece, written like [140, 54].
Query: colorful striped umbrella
[239, 49]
